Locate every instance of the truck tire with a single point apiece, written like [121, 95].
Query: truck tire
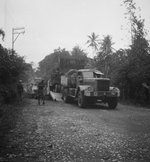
[66, 98]
[81, 100]
[112, 102]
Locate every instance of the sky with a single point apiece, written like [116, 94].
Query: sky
[50, 24]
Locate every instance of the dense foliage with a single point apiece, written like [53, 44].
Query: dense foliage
[128, 68]
[12, 69]
[63, 60]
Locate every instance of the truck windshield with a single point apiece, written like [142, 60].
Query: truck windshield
[88, 74]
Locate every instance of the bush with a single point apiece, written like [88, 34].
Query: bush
[12, 69]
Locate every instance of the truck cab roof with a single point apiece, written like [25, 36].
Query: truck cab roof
[91, 70]
[71, 71]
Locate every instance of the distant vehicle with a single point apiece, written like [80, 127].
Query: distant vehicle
[54, 81]
[88, 86]
[34, 90]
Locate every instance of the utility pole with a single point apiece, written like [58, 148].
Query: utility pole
[17, 32]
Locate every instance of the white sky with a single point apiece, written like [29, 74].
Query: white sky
[50, 24]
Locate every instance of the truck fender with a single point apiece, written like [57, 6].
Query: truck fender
[116, 90]
[81, 88]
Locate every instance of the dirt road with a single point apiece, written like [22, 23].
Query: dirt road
[59, 132]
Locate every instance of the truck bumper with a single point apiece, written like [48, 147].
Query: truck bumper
[99, 96]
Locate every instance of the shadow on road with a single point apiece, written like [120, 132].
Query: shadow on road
[96, 106]
[100, 107]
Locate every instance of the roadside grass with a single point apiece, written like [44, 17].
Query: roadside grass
[135, 104]
[8, 118]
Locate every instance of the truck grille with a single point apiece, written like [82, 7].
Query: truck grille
[103, 85]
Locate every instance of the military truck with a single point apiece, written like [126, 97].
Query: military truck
[88, 86]
[54, 81]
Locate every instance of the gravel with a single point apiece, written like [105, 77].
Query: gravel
[60, 132]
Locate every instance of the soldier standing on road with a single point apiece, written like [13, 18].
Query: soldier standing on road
[41, 92]
[20, 90]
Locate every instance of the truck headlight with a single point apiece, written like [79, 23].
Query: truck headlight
[86, 93]
[90, 89]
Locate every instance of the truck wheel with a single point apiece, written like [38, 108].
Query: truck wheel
[81, 100]
[112, 102]
[66, 98]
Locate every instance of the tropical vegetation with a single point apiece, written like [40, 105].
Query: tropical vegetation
[12, 69]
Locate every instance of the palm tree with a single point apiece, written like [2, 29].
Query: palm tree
[2, 33]
[106, 45]
[93, 41]
[106, 51]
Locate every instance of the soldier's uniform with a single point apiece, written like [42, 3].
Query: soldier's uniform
[20, 89]
[41, 89]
